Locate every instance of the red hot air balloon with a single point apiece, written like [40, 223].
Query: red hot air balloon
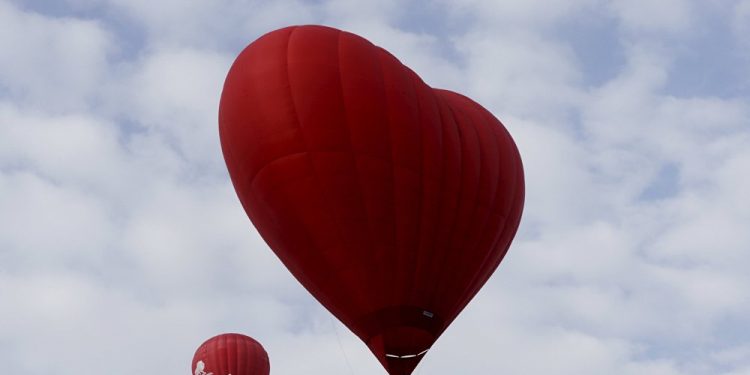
[390, 201]
[230, 354]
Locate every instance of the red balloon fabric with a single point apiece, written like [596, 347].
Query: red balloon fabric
[230, 354]
[390, 201]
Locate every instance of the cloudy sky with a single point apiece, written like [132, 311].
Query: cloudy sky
[123, 245]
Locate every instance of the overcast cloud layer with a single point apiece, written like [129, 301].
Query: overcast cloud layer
[123, 245]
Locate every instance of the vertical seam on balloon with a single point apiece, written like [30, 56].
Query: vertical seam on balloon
[257, 358]
[439, 105]
[296, 270]
[392, 164]
[319, 293]
[507, 228]
[238, 357]
[477, 277]
[417, 240]
[512, 183]
[240, 354]
[449, 240]
[258, 361]
[494, 202]
[446, 248]
[440, 183]
[215, 355]
[497, 156]
[397, 219]
[355, 159]
[519, 192]
[475, 198]
[225, 352]
[478, 190]
[254, 348]
[219, 355]
[384, 280]
[418, 234]
[323, 297]
[229, 353]
[514, 206]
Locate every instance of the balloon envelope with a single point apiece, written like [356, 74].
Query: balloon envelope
[230, 354]
[390, 201]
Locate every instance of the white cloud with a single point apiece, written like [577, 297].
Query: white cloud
[49, 226]
[557, 165]
[644, 16]
[518, 74]
[741, 22]
[174, 94]
[534, 14]
[74, 148]
[741, 26]
[210, 24]
[733, 356]
[54, 63]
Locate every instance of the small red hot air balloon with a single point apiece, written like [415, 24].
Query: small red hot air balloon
[390, 201]
[230, 354]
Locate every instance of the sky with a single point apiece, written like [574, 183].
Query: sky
[123, 245]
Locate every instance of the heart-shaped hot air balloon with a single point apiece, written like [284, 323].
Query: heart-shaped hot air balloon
[230, 354]
[390, 201]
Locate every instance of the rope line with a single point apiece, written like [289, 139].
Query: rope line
[341, 346]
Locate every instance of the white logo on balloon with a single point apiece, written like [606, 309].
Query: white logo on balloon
[200, 366]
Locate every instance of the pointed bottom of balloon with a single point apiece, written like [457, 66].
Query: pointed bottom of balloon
[401, 366]
[401, 349]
